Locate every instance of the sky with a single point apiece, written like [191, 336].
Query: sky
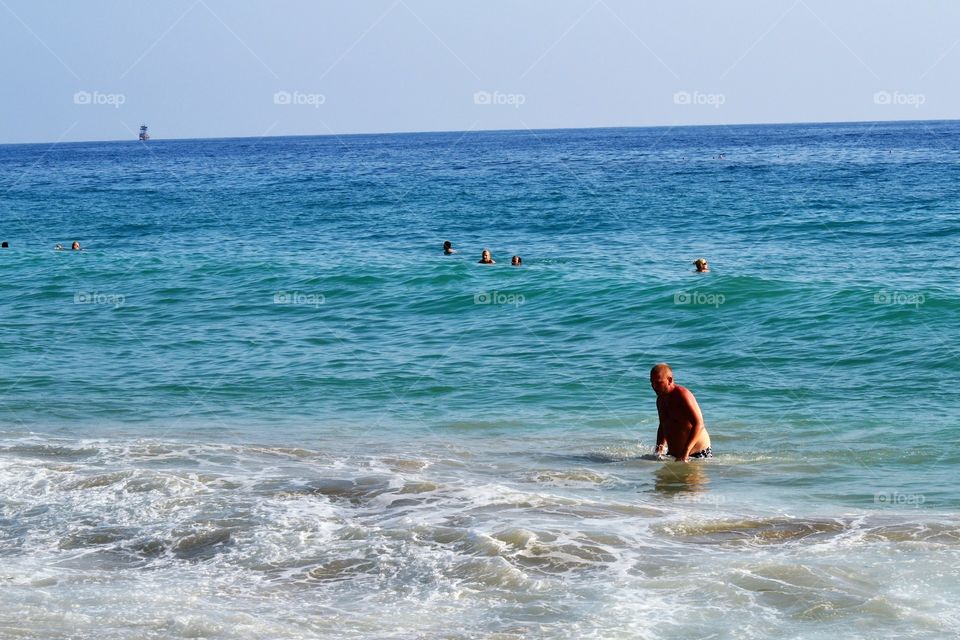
[97, 69]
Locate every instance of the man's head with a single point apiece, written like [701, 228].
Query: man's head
[661, 378]
[447, 245]
[516, 261]
[4, 245]
[75, 246]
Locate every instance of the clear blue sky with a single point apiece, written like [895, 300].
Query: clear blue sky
[214, 68]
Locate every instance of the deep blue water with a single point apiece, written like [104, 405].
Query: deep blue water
[238, 298]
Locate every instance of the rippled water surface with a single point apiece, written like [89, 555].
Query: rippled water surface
[262, 403]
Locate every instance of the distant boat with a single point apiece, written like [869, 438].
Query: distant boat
[143, 132]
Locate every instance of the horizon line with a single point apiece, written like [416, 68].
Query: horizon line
[466, 131]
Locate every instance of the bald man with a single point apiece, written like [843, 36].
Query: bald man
[681, 433]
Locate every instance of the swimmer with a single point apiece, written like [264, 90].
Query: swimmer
[58, 247]
[485, 257]
[448, 248]
[75, 246]
[516, 261]
[681, 433]
[4, 245]
[701, 265]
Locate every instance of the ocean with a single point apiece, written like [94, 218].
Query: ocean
[262, 403]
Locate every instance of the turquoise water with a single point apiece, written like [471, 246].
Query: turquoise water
[262, 403]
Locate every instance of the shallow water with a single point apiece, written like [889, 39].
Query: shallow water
[261, 402]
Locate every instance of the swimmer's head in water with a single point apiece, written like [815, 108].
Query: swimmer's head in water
[661, 378]
[701, 265]
[485, 256]
[4, 245]
[516, 261]
[75, 246]
[447, 245]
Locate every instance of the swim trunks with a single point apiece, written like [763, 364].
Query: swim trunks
[704, 453]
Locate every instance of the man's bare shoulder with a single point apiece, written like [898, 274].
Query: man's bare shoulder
[685, 393]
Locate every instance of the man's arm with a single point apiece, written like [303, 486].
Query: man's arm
[661, 448]
[696, 419]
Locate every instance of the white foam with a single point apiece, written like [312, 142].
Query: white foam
[133, 538]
